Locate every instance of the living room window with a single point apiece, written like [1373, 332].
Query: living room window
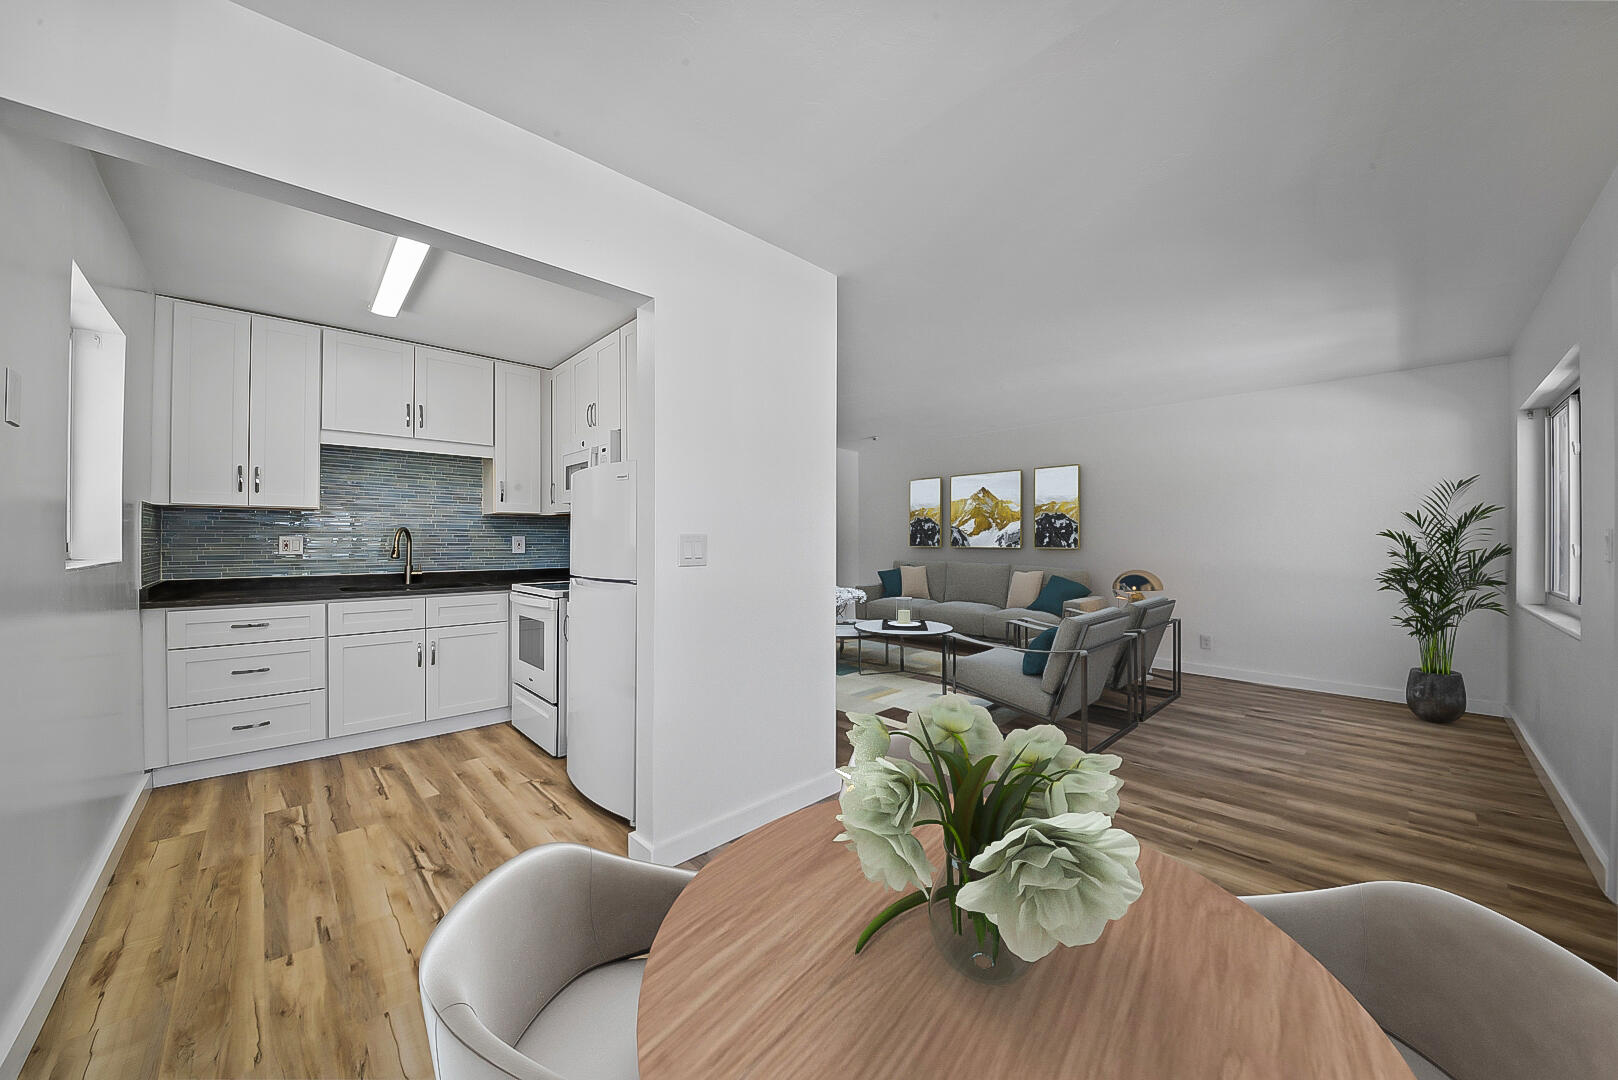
[1562, 545]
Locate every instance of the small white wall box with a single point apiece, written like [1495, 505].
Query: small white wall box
[694, 549]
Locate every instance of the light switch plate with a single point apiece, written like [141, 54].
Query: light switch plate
[13, 395]
[290, 545]
[519, 544]
[693, 549]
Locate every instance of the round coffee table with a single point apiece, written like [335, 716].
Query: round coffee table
[873, 629]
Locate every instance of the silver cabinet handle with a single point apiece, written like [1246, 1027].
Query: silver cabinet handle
[249, 727]
[433, 654]
[553, 491]
[418, 654]
[250, 671]
[421, 416]
[249, 625]
[502, 491]
[240, 485]
[257, 476]
[408, 419]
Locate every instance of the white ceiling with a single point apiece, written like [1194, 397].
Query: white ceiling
[204, 242]
[1078, 204]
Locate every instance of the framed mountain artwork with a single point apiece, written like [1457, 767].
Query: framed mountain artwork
[927, 512]
[985, 510]
[1056, 507]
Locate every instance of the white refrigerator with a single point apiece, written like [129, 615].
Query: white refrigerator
[601, 637]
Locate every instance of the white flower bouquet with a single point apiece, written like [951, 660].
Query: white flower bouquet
[1033, 859]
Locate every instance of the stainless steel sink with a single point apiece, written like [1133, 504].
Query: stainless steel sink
[399, 586]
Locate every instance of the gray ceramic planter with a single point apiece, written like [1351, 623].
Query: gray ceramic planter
[1438, 699]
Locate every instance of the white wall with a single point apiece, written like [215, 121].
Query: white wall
[1259, 512]
[742, 380]
[69, 640]
[1563, 688]
[849, 566]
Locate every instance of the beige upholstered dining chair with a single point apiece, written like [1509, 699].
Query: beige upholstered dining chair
[533, 973]
[1463, 992]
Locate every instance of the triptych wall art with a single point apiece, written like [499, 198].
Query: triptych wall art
[985, 510]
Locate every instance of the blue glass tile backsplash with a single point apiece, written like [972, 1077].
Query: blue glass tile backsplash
[364, 495]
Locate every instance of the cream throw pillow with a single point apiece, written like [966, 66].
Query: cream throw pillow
[1025, 586]
[913, 582]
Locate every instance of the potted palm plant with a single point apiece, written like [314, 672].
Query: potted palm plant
[1442, 571]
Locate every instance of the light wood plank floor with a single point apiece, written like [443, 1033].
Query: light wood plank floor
[268, 924]
[1268, 790]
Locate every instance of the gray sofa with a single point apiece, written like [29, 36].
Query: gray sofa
[970, 596]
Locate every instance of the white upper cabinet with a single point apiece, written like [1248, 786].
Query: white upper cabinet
[367, 384]
[454, 396]
[605, 387]
[563, 442]
[395, 395]
[244, 409]
[283, 431]
[515, 479]
[209, 403]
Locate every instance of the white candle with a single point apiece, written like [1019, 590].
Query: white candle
[904, 614]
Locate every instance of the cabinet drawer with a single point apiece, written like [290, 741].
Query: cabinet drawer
[376, 616]
[468, 609]
[235, 727]
[198, 627]
[232, 672]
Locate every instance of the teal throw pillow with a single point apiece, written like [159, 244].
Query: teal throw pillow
[1033, 663]
[1058, 591]
[890, 581]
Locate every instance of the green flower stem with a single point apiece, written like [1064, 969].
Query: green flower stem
[887, 914]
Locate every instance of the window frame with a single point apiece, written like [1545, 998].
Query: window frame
[1569, 602]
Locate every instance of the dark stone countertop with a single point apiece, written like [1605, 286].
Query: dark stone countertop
[217, 592]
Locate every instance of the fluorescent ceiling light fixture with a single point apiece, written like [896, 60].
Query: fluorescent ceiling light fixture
[403, 266]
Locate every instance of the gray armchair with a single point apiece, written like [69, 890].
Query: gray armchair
[1464, 992]
[1082, 658]
[532, 974]
[1149, 620]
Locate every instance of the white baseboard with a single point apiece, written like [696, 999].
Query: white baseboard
[1482, 706]
[720, 830]
[32, 1004]
[319, 748]
[1584, 837]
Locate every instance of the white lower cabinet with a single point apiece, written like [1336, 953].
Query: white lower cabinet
[228, 681]
[376, 681]
[235, 727]
[468, 669]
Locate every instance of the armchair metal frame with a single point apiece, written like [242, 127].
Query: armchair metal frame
[1141, 668]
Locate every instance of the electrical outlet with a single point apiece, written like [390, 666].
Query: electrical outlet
[1204, 641]
[519, 544]
[289, 545]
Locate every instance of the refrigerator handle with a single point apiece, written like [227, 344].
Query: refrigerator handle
[565, 620]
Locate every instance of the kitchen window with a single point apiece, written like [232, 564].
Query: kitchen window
[1563, 549]
[95, 431]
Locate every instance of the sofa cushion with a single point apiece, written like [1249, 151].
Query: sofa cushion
[890, 580]
[1033, 663]
[979, 583]
[998, 625]
[1058, 591]
[997, 674]
[887, 607]
[1025, 586]
[937, 575]
[967, 618]
[913, 582]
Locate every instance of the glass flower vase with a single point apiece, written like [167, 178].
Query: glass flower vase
[968, 940]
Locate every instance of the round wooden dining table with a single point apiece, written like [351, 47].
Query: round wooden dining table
[753, 974]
